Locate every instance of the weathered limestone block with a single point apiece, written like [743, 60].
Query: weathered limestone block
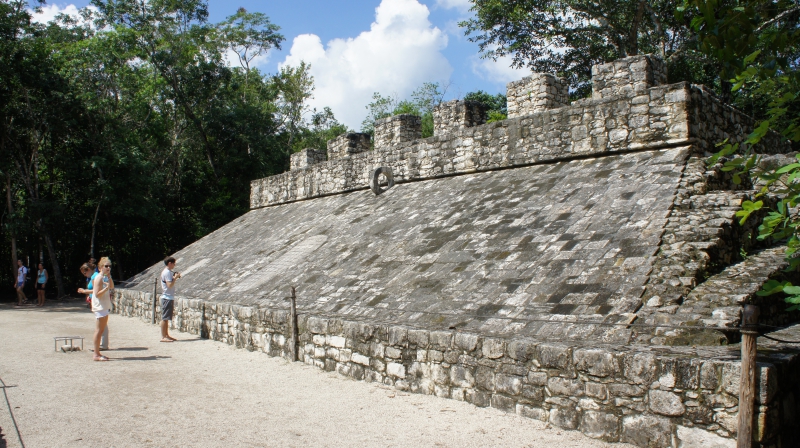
[454, 115]
[536, 93]
[647, 430]
[595, 362]
[397, 129]
[564, 416]
[600, 425]
[666, 403]
[347, 144]
[698, 438]
[627, 77]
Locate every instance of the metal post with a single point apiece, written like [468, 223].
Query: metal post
[295, 333]
[155, 299]
[747, 385]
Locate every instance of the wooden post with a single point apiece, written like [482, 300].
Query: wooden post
[747, 385]
[295, 333]
[155, 298]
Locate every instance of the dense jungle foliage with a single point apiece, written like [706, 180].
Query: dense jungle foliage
[127, 134]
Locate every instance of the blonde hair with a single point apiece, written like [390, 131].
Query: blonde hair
[104, 261]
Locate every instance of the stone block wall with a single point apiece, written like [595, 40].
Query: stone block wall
[627, 77]
[397, 129]
[631, 109]
[306, 158]
[454, 115]
[647, 396]
[711, 121]
[348, 144]
[536, 93]
[663, 116]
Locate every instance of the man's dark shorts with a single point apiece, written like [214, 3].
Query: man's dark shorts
[167, 307]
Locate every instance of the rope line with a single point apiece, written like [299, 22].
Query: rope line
[11, 412]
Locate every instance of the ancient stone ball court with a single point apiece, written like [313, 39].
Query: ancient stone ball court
[577, 264]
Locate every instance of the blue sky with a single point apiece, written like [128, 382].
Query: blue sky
[357, 47]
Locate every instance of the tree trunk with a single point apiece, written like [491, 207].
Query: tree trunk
[51, 250]
[94, 224]
[11, 229]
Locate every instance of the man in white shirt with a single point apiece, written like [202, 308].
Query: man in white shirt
[22, 273]
[168, 297]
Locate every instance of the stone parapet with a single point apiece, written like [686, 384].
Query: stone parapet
[455, 115]
[536, 93]
[348, 144]
[628, 77]
[397, 129]
[646, 396]
[668, 115]
[306, 158]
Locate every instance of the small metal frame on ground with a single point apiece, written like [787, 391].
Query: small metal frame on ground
[65, 339]
[374, 182]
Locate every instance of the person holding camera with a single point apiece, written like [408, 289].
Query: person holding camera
[168, 278]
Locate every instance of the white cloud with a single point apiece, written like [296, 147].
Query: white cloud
[48, 13]
[401, 51]
[499, 71]
[461, 5]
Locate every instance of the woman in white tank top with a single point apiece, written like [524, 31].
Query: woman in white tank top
[101, 303]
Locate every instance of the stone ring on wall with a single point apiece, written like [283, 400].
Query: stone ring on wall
[374, 182]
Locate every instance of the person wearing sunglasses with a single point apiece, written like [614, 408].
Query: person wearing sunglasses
[101, 303]
[90, 271]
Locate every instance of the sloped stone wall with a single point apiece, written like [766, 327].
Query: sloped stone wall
[647, 396]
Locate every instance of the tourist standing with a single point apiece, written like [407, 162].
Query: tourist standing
[101, 303]
[41, 282]
[22, 274]
[89, 271]
[168, 297]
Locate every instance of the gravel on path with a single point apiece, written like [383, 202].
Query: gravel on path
[197, 392]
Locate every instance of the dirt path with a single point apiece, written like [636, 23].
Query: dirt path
[203, 393]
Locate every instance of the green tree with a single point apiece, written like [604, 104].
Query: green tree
[323, 126]
[249, 35]
[295, 86]
[757, 45]
[567, 37]
[496, 108]
[423, 100]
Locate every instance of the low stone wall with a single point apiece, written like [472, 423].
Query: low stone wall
[647, 396]
[664, 116]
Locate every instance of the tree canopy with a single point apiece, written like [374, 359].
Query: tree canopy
[567, 37]
[126, 133]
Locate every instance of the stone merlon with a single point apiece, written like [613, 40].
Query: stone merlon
[632, 110]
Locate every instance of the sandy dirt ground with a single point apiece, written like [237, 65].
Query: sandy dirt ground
[197, 392]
